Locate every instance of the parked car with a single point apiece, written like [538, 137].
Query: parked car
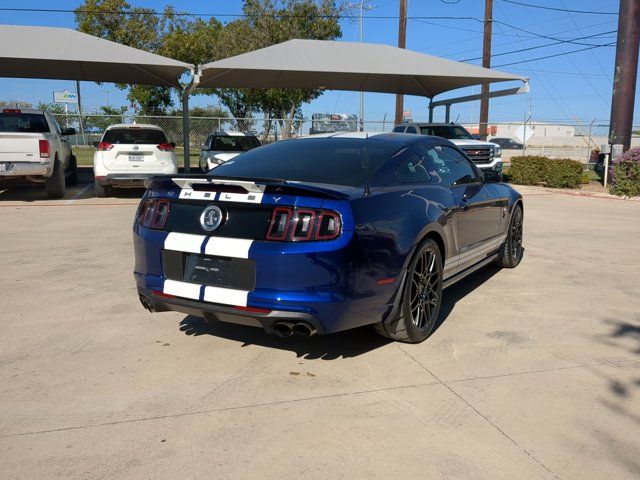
[507, 143]
[34, 149]
[486, 155]
[223, 146]
[325, 233]
[129, 154]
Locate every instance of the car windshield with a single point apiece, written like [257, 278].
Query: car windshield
[234, 143]
[339, 161]
[23, 122]
[133, 135]
[447, 131]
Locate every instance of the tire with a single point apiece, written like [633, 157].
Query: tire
[55, 184]
[421, 298]
[512, 251]
[72, 171]
[100, 190]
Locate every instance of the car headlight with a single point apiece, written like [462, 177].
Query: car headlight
[497, 151]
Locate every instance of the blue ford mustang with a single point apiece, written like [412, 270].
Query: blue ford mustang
[325, 233]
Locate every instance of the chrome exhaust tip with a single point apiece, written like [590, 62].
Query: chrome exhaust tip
[303, 330]
[283, 329]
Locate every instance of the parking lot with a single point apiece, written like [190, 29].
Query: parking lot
[533, 373]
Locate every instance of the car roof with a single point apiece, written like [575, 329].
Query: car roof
[399, 138]
[231, 133]
[23, 110]
[429, 124]
[134, 125]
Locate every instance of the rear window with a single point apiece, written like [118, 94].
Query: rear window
[446, 131]
[339, 161]
[234, 144]
[23, 123]
[135, 135]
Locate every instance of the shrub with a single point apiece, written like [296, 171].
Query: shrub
[554, 173]
[625, 174]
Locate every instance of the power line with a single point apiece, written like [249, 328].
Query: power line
[556, 55]
[547, 45]
[225, 15]
[590, 12]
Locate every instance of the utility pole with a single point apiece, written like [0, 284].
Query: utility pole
[625, 73]
[361, 41]
[402, 42]
[362, 7]
[486, 63]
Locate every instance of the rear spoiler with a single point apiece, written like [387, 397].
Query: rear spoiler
[254, 185]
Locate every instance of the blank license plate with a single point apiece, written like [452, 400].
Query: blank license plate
[136, 158]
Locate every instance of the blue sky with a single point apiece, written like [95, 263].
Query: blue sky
[563, 88]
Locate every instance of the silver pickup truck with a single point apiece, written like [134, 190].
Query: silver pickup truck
[34, 149]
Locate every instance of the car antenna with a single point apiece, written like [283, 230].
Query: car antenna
[366, 165]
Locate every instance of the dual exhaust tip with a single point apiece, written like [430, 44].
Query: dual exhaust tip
[299, 329]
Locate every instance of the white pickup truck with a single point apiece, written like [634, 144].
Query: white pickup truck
[34, 149]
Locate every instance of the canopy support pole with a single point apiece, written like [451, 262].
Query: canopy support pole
[186, 91]
[471, 98]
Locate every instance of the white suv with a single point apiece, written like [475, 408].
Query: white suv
[486, 155]
[129, 154]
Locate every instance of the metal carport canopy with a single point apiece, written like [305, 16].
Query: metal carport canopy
[346, 66]
[65, 54]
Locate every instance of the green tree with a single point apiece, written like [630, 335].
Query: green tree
[169, 34]
[268, 22]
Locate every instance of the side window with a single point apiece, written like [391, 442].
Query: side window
[412, 170]
[54, 122]
[450, 166]
[411, 130]
[399, 129]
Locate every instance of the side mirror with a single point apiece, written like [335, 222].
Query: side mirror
[95, 144]
[204, 147]
[68, 131]
[173, 144]
[491, 176]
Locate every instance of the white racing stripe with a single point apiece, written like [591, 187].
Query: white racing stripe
[241, 197]
[254, 195]
[226, 296]
[184, 242]
[182, 289]
[228, 247]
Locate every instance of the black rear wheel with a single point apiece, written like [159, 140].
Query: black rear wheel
[421, 297]
[512, 250]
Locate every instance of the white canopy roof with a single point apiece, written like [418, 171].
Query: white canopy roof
[65, 54]
[346, 66]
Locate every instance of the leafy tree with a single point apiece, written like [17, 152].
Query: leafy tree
[268, 22]
[15, 104]
[105, 117]
[169, 34]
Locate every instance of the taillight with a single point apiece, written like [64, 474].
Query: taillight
[102, 146]
[153, 212]
[303, 224]
[165, 147]
[45, 150]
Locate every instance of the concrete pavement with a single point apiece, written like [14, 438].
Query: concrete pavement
[533, 373]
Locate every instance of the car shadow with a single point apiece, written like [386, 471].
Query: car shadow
[461, 289]
[346, 344]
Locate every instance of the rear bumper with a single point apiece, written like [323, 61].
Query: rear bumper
[27, 169]
[160, 303]
[126, 179]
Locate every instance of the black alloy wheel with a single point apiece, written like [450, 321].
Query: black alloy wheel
[421, 297]
[513, 250]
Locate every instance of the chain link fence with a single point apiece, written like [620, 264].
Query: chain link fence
[557, 140]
